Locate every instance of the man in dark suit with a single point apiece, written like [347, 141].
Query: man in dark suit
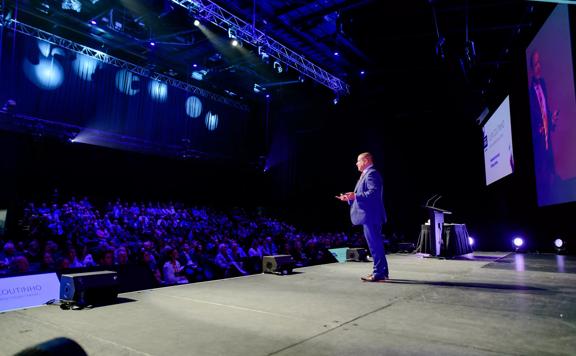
[544, 121]
[367, 209]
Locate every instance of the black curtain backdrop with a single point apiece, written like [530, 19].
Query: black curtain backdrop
[51, 83]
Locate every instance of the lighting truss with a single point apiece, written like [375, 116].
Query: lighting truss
[209, 11]
[105, 58]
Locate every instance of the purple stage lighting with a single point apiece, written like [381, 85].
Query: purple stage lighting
[93, 22]
[336, 53]
[362, 72]
[470, 240]
[559, 243]
[518, 242]
[152, 44]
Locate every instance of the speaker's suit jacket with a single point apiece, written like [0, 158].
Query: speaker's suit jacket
[368, 207]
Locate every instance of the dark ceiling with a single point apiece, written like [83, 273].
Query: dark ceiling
[397, 44]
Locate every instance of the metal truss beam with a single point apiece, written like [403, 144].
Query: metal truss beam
[209, 11]
[103, 57]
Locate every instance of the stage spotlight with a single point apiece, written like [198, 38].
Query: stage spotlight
[278, 67]
[471, 241]
[199, 74]
[93, 22]
[560, 245]
[152, 43]
[234, 38]
[74, 5]
[258, 88]
[263, 55]
[518, 242]
[336, 53]
[335, 101]
[196, 23]
[362, 72]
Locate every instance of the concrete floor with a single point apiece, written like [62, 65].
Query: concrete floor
[433, 307]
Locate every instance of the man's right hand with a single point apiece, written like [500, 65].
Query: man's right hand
[555, 117]
[342, 197]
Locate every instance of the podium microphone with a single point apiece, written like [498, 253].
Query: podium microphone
[428, 201]
[436, 200]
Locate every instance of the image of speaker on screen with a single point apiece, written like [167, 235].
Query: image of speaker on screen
[553, 109]
[544, 121]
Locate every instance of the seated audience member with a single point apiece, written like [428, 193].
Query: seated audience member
[48, 263]
[228, 267]
[7, 255]
[172, 270]
[148, 260]
[33, 253]
[256, 249]
[73, 258]
[191, 269]
[88, 260]
[19, 265]
[298, 254]
[237, 252]
[269, 247]
[63, 264]
[121, 257]
[106, 257]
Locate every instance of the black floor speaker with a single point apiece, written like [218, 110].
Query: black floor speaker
[357, 255]
[279, 264]
[89, 288]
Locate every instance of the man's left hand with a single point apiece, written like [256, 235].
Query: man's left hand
[351, 196]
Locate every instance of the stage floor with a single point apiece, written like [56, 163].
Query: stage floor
[431, 306]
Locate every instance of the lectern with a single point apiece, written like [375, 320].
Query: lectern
[436, 223]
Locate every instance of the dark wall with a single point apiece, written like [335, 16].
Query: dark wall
[33, 167]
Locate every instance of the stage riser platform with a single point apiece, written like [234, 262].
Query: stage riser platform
[442, 307]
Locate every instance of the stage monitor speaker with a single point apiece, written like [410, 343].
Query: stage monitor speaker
[54, 347]
[89, 288]
[357, 255]
[406, 247]
[279, 264]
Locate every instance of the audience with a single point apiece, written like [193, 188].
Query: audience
[212, 244]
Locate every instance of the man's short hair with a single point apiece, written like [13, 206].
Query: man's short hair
[367, 155]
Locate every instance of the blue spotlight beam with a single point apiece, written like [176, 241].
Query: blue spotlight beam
[209, 11]
[105, 58]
